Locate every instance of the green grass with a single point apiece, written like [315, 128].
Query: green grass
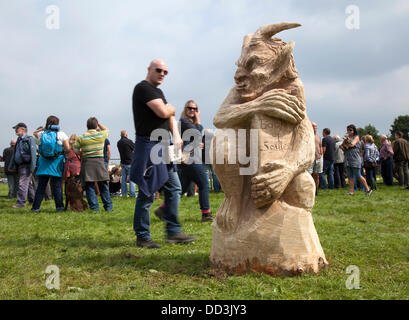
[97, 253]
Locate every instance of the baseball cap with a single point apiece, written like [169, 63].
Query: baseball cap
[20, 125]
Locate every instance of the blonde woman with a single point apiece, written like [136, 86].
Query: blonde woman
[195, 170]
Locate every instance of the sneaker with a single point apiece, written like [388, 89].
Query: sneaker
[207, 217]
[35, 210]
[180, 238]
[149, 244]
[17, 207]
[368, 193]
[350, 194]
[159, 213]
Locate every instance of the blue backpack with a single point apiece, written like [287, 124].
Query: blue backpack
[49, 148]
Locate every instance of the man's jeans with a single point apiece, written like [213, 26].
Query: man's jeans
[328, 170]
[339, 175]
[56, 187]
[93, 199]
[12, 180]
[387, 171]
[141, 221]
[25, 188]
[403, 172]
[126, 172]
[197, 173]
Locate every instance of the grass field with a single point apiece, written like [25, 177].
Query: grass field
[98, 259]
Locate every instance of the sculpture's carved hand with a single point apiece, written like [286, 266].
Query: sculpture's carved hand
[278, 103]
[270, 185]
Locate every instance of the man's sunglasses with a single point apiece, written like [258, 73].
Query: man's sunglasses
[158, 70]
[192, 109]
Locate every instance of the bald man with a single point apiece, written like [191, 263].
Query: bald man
[11, 174]
[151, 111]
[125, 148]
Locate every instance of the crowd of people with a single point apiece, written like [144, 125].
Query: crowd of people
[358, 159]
[36, 166]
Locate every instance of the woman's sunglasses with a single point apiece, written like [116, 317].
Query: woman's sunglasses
[192, 109]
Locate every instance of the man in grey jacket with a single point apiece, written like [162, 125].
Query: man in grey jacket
[24, 161]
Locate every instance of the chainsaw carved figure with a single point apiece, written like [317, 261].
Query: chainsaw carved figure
[265, 222]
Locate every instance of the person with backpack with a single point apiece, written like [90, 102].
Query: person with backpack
[23, 161]
[51, 146]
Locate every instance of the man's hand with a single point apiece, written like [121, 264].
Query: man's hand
[270, 185]
[101, 126]
[171, 109]
[161, 109]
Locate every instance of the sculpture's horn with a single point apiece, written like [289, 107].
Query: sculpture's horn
[270, 30]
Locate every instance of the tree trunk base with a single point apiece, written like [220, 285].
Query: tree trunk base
[280, 240]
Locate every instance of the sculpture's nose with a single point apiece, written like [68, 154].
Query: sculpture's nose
[240, 75]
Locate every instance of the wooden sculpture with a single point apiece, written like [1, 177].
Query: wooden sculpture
[265, 222]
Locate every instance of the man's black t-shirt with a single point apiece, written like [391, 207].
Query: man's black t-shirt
[144, 118]
[329, 143]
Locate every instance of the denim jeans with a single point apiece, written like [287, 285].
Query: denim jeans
[126, 171]
[47, 194]
[25, 188]
[141, 221]
[197, 173]
[370, 177]
[12, 180]
[93, 199]
[328, 169]
[358, 184]
[387, 171]
[339, 175]
[216, 182]
[56, 187]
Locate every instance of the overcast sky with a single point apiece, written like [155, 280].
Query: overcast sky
[89, 66]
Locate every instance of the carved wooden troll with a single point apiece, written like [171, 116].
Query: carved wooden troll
[265, 222]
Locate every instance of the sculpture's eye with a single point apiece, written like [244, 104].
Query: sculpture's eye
[253, 62]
